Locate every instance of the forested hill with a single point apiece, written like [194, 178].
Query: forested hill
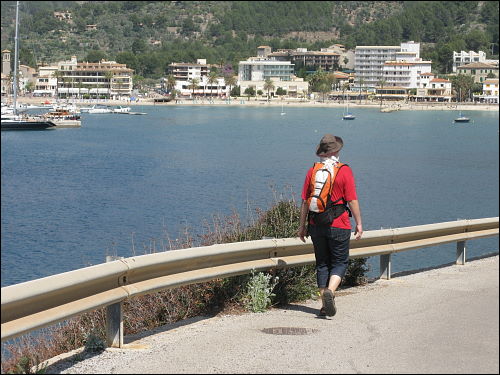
[149, 35]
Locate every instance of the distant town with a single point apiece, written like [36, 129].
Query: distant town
[369, 72]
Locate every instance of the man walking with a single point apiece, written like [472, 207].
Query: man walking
[330, 237]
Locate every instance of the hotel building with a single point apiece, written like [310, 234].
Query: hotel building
[184, 73]
[103, 79]
[371, 68]
[256, 70]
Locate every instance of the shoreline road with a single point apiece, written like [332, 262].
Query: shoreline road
[443, 320]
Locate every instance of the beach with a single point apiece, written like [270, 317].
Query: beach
[243, 101]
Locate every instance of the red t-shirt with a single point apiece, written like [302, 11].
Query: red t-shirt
[343, 187]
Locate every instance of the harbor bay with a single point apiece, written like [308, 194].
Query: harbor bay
[126, 185]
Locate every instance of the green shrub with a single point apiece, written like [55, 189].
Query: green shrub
[259, 292]
[94, 343]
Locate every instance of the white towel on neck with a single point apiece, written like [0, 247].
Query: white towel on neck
[330, 162]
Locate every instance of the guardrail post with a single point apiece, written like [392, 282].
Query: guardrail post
[460, 252]
[114, 319]
[385, 266]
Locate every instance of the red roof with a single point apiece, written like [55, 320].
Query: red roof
[440, 80]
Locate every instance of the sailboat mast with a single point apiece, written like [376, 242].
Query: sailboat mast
[16, 48]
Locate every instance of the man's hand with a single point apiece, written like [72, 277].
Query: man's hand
[302, 233]
[358, 232]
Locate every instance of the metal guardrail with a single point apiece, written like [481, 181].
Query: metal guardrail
[39, 303]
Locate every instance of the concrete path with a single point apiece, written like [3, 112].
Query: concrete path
[439, 321]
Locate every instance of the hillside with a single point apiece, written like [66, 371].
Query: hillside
[149, 35]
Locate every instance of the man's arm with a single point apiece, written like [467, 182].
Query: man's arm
[302, 232]
[356, 213]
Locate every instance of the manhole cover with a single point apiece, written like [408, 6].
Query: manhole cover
[289, 331]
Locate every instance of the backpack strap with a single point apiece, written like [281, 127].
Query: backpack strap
[335, 203]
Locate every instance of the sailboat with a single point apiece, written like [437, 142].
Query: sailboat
[282, 111]
[461, 118]
[348, 115]
[14, 121]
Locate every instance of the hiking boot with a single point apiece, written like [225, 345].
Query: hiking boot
[329, 303]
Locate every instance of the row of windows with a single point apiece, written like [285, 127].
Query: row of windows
[93, 74]
[187, 87]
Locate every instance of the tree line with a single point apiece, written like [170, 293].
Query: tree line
[227, 32]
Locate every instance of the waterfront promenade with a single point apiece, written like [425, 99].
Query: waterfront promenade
[444, 320]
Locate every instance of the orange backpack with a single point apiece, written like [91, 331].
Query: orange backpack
[321, 209]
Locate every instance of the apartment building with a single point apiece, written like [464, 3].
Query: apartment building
[27, 77]
[478, 70]
[256, 70]
[464, 58]
[260, 69]
[188, 71]
[490, 91]
[46, 82]
[107, 79]
[433, 89]
[185, 73]
[325, 59]
[370, 62]
[404, 73]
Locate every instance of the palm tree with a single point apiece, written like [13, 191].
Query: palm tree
[361, 83]
[381, 83]
[230, 81]
[268, 85]
[80, 86]
[212, 78]
[194, 84]
[332, 80]
[57, 74]
[304, 93]
[345, 86]
[324, 87]
[108, 74]
[171, 82]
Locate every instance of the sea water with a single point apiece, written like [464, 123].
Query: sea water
[127, 185]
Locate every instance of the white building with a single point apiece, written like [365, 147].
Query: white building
[102, 79]
[255, 71]
[404, 73]
[490, 91]
[464, 58]
[433, 89]
[370, 62]
[260, 69]
[46, 83]
[185, 73]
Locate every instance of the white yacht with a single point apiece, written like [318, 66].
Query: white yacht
[97, 108]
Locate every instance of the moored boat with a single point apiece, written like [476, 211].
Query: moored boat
[63, 118]
[462, 118]
[348, 115]
[18, 122]
[98, 108]
[121, 109]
